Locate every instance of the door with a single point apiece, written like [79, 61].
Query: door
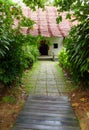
[43, 49]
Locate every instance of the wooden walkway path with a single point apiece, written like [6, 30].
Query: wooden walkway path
[47, 113]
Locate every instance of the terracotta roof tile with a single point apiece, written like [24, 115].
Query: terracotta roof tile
[45, 22]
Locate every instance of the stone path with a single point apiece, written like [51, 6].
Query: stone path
[47, 108]
[47, 80]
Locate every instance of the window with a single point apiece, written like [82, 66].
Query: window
[55, 45]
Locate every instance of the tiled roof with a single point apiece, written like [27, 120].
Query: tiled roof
[46, 22]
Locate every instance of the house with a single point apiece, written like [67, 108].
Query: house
[46, 26]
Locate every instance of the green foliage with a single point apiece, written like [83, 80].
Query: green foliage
[78, 8]
[4, 44]
[9, 99]
[21, 55]
[34, 3]
[6, 22]
[63, 59]
[77, 46]
[28, 86]
[11, 65]
[59, 19]
[30, 49]
[27, 22]
[68, 16]
[17, 51]
[31, 54]
[78, 51]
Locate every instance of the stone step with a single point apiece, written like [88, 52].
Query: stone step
[45, 58]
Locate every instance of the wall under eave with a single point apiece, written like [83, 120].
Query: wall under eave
[53, 40]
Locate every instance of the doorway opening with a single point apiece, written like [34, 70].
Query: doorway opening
[43, 49]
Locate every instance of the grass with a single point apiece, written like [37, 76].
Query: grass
[28, 86]
[59, 69]
[9, 99]
[70, 86]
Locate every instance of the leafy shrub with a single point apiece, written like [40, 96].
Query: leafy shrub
[34, 51]
[63, 59]
[12, 66]
[30, 51]
[13, 58]
[77, 43]
[17, 51]
[78, 51]
[20, 56]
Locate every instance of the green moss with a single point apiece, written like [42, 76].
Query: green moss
[59, 70]
[28, 85]
[69, 84]
[9, 99]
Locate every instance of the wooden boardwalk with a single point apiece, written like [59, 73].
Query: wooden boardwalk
[47, 113]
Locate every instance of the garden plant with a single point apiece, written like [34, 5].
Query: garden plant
[17, 51]
[76, 44]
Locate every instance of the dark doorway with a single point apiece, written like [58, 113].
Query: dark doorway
[43, 49]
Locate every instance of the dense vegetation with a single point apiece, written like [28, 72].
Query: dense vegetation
[17, 51]
[76, 44]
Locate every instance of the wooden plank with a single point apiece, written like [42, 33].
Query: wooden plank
[48, 118]
[68, 112]
[43, 127]
[47, 122]
[25, 113]
[50, 101]
[61, 108]
[38, 109]
[47, 113]
[48, 105]
[51, 98]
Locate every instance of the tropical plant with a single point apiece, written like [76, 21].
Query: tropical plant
[12, 42]
[77, 46]
[30, 50]
[78, 51]
[34, 3]
[63, 59]
[76, 9]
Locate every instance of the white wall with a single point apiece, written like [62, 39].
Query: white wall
[53, 40]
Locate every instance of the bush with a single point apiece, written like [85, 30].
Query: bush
[63, 59]
[12, 66]
[75, 56]
[13, 58]
[19, 56]
[31, 54]
[78, 52]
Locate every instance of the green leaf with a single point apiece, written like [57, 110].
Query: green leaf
[68, 16]
[59, 19]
